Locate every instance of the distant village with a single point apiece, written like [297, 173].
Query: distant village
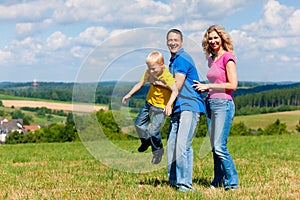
[7, 126]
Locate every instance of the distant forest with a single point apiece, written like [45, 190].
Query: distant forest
[250, 97]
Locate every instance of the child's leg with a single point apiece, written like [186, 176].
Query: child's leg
[158, 119]
[141, 124]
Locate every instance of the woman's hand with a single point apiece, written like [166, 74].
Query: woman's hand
[200, 87]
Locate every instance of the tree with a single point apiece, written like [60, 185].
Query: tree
[276, 128]
[17, 114]
[70, 133]
[240, 129]
[14, 138]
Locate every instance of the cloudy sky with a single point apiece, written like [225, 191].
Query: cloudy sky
[54, 40]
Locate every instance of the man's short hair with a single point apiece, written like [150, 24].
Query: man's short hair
[177, 31]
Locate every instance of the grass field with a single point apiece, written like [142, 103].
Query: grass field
[41, 120]
[291, 118]
[268, 167]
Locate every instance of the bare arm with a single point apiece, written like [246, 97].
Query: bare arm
[180, 78]
[168, 108]
[134, 89]
[231, 84]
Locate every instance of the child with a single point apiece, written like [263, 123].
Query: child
[159, 101]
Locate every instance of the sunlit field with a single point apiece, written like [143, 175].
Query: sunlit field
[290, 118]
[268, 167]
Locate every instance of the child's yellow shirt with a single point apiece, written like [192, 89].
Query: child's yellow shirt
[159, 96]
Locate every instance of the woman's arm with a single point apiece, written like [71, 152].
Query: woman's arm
[231, 84]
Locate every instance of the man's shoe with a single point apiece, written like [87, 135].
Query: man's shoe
[143, 147]
[231, 188]
[157, 156]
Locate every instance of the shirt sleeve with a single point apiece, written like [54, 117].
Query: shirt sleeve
[181, 66]
[170, 80]
[145, 77]
[229, 56]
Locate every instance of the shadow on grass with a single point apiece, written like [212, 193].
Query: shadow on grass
[155, 182]
[202, 181]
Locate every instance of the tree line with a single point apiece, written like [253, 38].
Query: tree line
[258, 99]
[270, 101]
[250, 98]
[112, 130]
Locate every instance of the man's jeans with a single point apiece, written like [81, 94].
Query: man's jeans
[152, 136]
[179, 149]
[220, 113]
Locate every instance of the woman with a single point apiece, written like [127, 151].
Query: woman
[222, 76]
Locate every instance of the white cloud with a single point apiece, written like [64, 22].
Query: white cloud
[30, 28]
[25, 51]
[294, 23]
[4, 57]
[92, 36]
[274, 37]
[63, 33]
[57, 41]
[273, 22]
[80, 52]
[27, 11]
[87, 10]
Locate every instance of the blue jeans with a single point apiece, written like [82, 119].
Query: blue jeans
[150, 135]
[179, 149]
[220, 113]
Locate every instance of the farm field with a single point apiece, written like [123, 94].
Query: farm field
[268, 168]
[291, 118]
[52, 105]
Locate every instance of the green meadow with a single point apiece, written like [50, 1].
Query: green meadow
[35, 118]
[268, 167]
[290, 118]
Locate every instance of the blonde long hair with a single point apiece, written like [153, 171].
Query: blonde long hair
[225, 37]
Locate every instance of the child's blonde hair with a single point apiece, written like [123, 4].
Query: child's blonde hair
[155, 57]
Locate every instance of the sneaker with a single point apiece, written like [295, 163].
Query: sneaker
[183, 188]
[212, 187]
[230, 189]
[157, 156]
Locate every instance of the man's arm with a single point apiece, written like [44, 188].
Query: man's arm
[168, 108]
[180, 78]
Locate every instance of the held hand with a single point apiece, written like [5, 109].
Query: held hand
[168, 110]
[160, 83]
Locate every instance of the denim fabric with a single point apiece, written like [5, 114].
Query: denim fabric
[220, 113]
[179, 149]
[151, 135]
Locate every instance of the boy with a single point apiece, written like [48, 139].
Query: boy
[159, 101]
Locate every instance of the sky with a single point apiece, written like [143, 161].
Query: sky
[90, 40]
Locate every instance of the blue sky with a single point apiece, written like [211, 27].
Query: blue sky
[56, 40]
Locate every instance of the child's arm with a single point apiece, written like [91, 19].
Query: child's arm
[168, 108]
[134, 89]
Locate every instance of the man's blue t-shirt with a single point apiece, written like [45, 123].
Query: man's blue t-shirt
[188, 98]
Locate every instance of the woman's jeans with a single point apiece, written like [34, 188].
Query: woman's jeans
[179, 149]
[220, 113]
[150, 135]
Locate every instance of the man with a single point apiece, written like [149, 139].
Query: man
[185, 116]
